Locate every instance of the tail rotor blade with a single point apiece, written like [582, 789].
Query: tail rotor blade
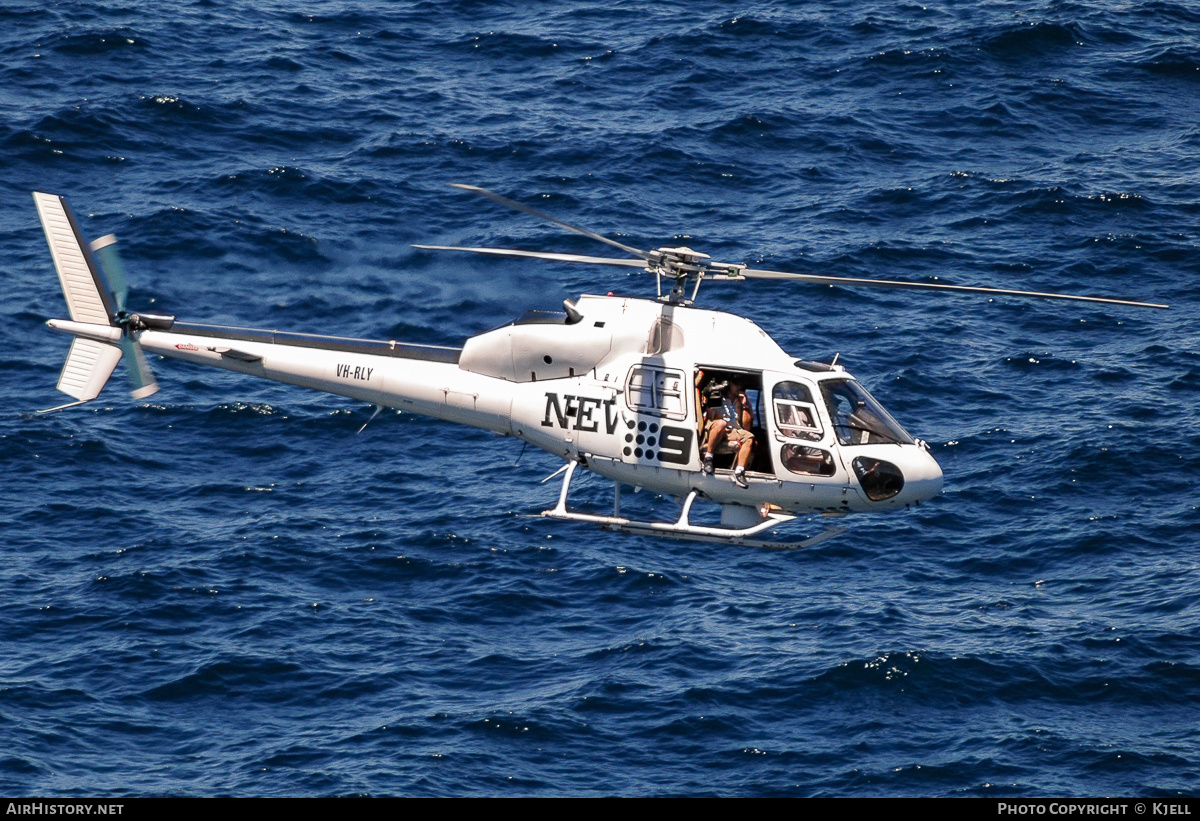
[141, 380]
[105, 250]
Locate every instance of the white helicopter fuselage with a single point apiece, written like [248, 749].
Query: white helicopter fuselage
[615, 390]
[643, 392]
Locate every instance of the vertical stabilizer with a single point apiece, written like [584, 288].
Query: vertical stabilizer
[87, 369]
[87, 295]
[90, 301]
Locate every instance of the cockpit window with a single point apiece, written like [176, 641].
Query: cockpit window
[795, 414]
[857, 418]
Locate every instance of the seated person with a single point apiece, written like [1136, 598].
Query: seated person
[726, 423]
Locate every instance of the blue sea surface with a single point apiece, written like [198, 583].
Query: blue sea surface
[223, 590]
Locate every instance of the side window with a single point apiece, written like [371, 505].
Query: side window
[659, 391]
[807, 461]
[795, 413]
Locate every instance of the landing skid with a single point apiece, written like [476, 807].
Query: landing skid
[681, 528]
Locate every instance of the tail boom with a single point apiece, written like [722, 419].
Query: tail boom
[422, 379]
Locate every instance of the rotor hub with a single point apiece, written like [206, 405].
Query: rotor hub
[134, 322]
[683, 264]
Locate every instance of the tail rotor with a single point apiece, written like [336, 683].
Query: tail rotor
[141, 379]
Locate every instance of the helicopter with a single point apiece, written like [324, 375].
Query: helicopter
[656, 394]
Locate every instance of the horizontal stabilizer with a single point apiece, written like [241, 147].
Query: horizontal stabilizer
[88, 298]
[88, 367]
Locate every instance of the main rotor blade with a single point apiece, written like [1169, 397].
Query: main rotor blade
[505, 252]
[528, 209]
[931, 286]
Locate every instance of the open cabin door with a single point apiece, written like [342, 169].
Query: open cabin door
[752, 384]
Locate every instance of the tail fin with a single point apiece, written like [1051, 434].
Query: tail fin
[87, 369]
[90, 300]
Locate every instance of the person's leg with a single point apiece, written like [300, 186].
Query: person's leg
[716, 433]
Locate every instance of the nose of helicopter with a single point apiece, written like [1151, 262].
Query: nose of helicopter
[892, 477]
[922, 476]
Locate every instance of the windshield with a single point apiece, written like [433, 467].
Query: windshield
[857, 418]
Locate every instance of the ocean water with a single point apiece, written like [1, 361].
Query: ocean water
[223, 590]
